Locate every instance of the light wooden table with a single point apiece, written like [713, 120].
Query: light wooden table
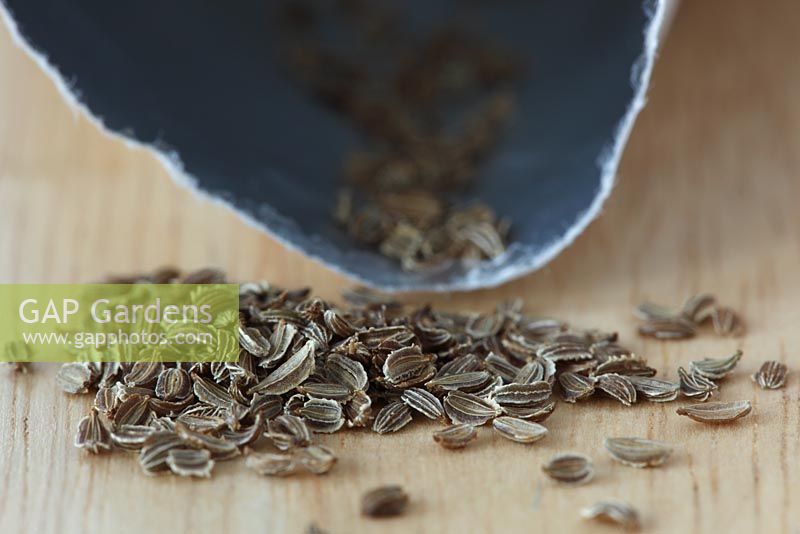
[707, 200]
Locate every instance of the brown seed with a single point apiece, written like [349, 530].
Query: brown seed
[575, 387]
[93, 435]
[135, 410]
[316, 459]
[155, 451]
[271, 464]
[668, 328]
[280, 340]
[716, 412]
[392, 418]
[535, 371]
[771, 375]
[534, 412]
[522, 394]
[253, 341]
[618, 387]
[519, 430]
[424, 402]
[695, 385]
[190, 462]
[469, 381]
[696, 306]
[647, 311]
[131, 437]
[209, 392]
[106, 401]
[288, 431]
[384, 501]
[569, 468]
[322, 415]
[346, 371]
[245, 435]
[269, 406]
[455, 436]
[638, 452]
[358, 411]
[326, 390]
[501, 367]
[338, 324]
[216, 446]
[143, 374]
[628, 365]
[470, 409]
[716, 368]
[654, 389]
[76, 377]
[726, 322]
[406, 367]
[614, 512]
[564, 351]
[290, 374]
[482, 326]
[173, 384]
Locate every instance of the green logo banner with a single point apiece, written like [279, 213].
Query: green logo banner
[119, 322]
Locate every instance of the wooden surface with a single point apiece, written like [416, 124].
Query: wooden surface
[707, 200]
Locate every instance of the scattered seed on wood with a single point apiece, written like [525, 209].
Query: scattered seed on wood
[317, 459]
[655, 389]
[771, 375]
[271, 464]
[569, 468]
[615, 512]
[93, 435]
[455, 436]
[665, 323]
[307, 367]
[190, 462]
[385, 501]
[618, 387]
[695, 386]
[726, 322]
[519, 430]
[671, 328]
[716, 368]
[638, 452]
[716, 412]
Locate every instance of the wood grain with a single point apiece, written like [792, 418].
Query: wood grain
[707, 200]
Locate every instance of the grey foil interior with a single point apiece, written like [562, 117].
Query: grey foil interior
[198, 83]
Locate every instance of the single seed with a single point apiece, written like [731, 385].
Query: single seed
[569, 468]
[615, 512]
[638, 452]
[617, 386]
[455, 436]
[695, 385]
[716, 368]
[575, 387]
[392, 418]
[471, 409]
[519, 430]
[771, 375]
[385, 501]
[716, 412]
